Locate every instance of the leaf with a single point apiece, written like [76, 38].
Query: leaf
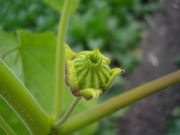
[2, 132]
[58, 4]
[174, 127]
[37, 56]
[8, 41]
[9, 46]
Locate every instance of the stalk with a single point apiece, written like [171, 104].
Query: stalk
[21, 101]
[69, 111]
[6, 127]
[60, 58]
[118, 102]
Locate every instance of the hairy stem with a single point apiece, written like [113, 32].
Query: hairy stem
[69, 111]
[6, 127]
[60, 58]
[116, 103]
[21, 101]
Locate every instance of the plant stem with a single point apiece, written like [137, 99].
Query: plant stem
[69, 111]
[21, 101]
[6, 127]
[116, 103]
[60, 58]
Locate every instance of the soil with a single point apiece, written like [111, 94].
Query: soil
[160, 46]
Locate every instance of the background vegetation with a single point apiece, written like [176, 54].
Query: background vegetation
[113, 26]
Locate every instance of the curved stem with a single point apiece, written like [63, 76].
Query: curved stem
[5, 126]
[116, 103]
[69, 111]
[22, 102]
[60, 58]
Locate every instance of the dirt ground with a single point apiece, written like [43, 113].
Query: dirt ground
[161, 45]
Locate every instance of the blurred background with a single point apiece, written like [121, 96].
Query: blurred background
[141, 36]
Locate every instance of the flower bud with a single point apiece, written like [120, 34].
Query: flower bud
[88, 73]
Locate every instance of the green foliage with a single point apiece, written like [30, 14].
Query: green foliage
[8, 41]
[34, 15]
[36, 53]
[58, 4]
[108, 125]
[174, 126]
[114, 26]
[176, 61]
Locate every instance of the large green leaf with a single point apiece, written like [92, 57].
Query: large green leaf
[8, 42]
[37, 56]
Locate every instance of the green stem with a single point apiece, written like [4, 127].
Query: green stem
[21, 101]
[69, 111]
[5, 126]
[60, 58]
[116, 103]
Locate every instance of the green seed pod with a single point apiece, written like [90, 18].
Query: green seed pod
[88, 73]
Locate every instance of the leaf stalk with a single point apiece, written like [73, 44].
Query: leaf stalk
[69, 111]
[21, 101]
[102, 110]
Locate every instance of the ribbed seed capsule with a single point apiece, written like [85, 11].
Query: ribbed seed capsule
[88, 73]
[97, 84]
[87, 80]
[101, 79]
